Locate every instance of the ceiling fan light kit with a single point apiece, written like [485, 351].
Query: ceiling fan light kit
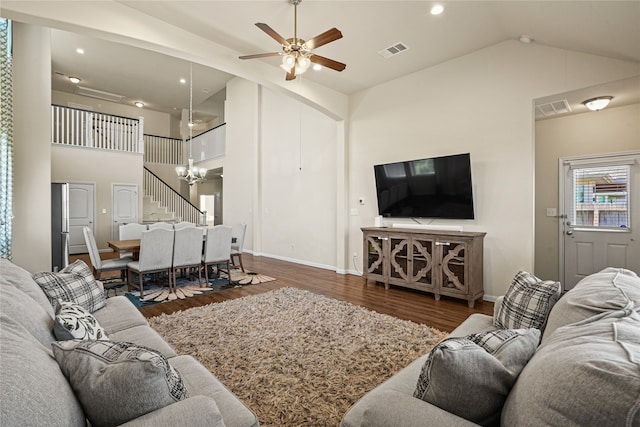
[297, 55]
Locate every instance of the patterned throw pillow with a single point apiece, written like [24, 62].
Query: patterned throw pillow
[527, 303]
[116, 382]
[74, 283]
[74, 322]
[471, 376]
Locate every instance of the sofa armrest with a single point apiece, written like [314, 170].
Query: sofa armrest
[195, 411]
[393, 408]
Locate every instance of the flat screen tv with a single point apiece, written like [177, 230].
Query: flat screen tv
[436, 187]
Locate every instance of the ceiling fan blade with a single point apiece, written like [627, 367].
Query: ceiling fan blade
[272, 33]
[291, 74]
[329, 63]
[324, 38]
[260, 55]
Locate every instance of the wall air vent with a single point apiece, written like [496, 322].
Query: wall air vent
[393, 50]
[552, 108]
[95, 93]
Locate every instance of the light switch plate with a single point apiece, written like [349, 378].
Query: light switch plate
[552, 212]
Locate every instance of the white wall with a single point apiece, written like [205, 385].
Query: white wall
[608, 131]
[32, 138]
[479, 103]
[298, 181]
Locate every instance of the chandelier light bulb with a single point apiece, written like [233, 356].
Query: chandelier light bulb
[288, 61]
[302, 64]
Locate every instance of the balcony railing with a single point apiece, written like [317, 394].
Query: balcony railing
[159, 149]
[82, 128]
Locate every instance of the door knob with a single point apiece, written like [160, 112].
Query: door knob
[569, 233]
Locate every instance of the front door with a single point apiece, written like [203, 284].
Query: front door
[81, 214]
[125, 206]
[600, 215]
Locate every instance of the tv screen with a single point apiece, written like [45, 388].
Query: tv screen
[436, 187]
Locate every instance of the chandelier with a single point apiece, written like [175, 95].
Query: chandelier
[191, 174]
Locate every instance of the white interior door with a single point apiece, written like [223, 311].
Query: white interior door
[82, 204]
[600, 215]
[125, 206]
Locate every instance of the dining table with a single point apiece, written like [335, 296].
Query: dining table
[132, 245]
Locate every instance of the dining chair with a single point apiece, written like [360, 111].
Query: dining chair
[101, 266]
[217, 250]
[162, 225]
[237, 235]
[187, 250]
[183, 224]
[156, 255]
[130, 231]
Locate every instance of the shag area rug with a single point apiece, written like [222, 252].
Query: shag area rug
[294, 357]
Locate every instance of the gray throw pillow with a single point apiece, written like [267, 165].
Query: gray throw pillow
[74, 283]
[527, 302]
[116, 382]
[471, 376]
[74, 322]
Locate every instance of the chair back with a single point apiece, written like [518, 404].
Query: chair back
[238, 232]
[217, 246]
[131, 231]
[156, 249]
[183, 224]
[187, 247]
[90, 241]
[162, 225]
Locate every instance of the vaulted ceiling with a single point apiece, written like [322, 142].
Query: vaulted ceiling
[605, 28]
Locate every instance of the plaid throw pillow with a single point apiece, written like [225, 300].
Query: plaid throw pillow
[74, 283]
[527, 303]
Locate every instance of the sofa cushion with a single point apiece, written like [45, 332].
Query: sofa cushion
[471, 376]
[586, 374]
[74, 283]
[118, 314]
[22, 308]
[527, 302]
[118, 381]
[611, 289]
[20, 278]
[33, 390]
[73, 321]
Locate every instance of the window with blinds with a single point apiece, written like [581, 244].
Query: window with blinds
[601, 197]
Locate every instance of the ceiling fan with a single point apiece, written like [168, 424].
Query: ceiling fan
[296, 53]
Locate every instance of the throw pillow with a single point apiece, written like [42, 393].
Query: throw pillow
[116, 382]
[74, 283]
[471, 376]
[527, 303]
[74, 322]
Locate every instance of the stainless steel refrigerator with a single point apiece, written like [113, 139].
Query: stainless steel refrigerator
[59, 226]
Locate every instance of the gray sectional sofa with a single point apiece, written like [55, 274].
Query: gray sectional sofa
[585, 372]
[35, 392]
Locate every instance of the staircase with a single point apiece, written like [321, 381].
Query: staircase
[154, 211]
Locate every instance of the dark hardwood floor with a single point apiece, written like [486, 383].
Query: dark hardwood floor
[419, 307]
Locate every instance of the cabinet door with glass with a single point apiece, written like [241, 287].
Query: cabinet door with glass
[454, 266]
[375, 267]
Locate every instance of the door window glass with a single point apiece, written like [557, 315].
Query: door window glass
[601, 197]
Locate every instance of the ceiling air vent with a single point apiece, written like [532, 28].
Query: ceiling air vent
[552, 108]
[393, 50]
[95, 93]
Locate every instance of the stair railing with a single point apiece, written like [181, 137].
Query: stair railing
[160, 191]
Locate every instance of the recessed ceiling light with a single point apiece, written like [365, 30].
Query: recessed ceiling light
[74, 80]
[183, 80]
[317, 67]
[139, 104]
[437, 9]
[526, 39]
[80, 51]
